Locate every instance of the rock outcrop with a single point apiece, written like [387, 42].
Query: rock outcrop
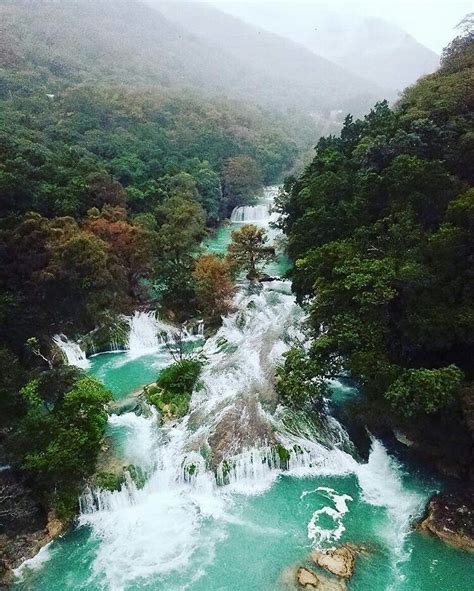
[25, 527]
[309, 580]
[338, 561]
[450, 517]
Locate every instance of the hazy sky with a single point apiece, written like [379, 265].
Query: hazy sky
[431, 22]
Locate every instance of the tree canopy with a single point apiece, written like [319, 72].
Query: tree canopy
[380, 228]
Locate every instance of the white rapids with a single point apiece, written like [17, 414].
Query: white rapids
[235, 441]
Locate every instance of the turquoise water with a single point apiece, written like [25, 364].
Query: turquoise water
[260, 537]
[251, 534]
[123, 375]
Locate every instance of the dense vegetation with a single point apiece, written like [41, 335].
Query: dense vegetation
[150, 44]
[172, 391]
[109, 180]
[381, 230]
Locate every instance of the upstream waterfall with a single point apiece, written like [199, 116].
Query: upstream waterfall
[259, 214]
[72, 351]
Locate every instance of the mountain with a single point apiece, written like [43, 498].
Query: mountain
[133, 43]
[368, 47]
[285, 70]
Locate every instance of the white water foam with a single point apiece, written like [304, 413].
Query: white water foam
[35, 563]
[141, 437]
[338, 507]
[162, 528]
[72, 352]
[382, 485]
[251, 214]
[259, 214]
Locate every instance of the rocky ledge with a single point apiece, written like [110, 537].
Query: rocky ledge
[338, 561]
[450, 517]
[25, 527]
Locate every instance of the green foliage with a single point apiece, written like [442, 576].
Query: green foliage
[425, 391]
[242, 179]
[13, 377]
[380, 227]
[299, 380]
[173, 389]
[248, 250]
[60, 436]
[283, 455]
[109, 481]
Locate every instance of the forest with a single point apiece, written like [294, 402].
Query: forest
[116, 167]
[380, 229]
[108, 188]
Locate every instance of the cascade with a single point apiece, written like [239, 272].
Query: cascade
[71, 351]
[143, 337]
[251, 214]
[236, 442]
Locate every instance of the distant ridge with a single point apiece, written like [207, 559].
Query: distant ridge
[368, 47]
[193, 47]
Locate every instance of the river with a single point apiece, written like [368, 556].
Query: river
[218, 512]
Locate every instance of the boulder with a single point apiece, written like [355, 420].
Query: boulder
[338, 561]
[307, 579]
[450, 517]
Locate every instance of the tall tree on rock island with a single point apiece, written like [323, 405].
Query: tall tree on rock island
[249, 250]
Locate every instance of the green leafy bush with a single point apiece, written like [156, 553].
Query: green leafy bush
[425, 391]
[173, 389]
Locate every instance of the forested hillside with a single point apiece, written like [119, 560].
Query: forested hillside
[284, 73]
[113, 167]
[368, 47]
[380, 227]
[131, 42]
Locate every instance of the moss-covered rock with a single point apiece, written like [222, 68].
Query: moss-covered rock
[172, 391]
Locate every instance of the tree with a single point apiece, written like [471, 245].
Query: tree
[381, 230]
[300, 381]
[425, 391]
[242, 179]
[181, 229]
[248, 250]
[213, 286]
[60, 440]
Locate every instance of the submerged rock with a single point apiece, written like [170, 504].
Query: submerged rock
[339, 561]
[307, 579]
[450, 517]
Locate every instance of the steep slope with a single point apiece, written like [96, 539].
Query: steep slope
[286, 71]
[375, 49]
[368, 47]
[121, 40]
[132, 43]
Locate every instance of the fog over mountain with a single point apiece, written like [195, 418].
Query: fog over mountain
[367, 46]
[179, 46]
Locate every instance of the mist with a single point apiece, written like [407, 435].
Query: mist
[432, 23]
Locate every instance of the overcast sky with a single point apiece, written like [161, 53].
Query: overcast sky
[431, 22]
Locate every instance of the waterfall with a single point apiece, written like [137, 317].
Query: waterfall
[200, 329]
[148, 334]
[235, 441]
[71, 351]
[143, 337]
[251, 214]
